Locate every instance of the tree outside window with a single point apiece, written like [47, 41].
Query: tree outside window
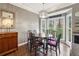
[59, 28]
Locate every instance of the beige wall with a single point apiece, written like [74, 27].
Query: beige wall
[24, 19]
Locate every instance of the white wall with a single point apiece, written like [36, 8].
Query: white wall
[24, 19]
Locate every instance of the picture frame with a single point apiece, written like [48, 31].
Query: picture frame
[10, 17]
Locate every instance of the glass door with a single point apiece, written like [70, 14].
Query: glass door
[59, 27]
[50, 27]
[69, 29]
[43, 27]
[55, 26]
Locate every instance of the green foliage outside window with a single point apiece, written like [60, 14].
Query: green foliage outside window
[57, 31]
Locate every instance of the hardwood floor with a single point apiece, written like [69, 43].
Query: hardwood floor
[23, 51]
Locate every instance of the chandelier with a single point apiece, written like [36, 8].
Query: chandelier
[43, 12]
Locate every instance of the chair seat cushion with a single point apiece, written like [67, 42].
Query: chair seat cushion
[51, 42]
[53, 39]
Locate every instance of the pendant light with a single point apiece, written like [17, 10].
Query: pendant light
[43, 12]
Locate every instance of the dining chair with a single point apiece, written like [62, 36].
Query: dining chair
[55, 44]
[35, 43]
[30, 42]
[38, 44]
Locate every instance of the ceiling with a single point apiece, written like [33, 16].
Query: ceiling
[36, 7]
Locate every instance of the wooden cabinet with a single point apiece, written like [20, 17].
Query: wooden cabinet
[0, 46]
[8, 42]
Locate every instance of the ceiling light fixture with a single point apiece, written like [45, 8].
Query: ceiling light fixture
[43, 12]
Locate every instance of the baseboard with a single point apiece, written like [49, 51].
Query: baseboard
[22, 44]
